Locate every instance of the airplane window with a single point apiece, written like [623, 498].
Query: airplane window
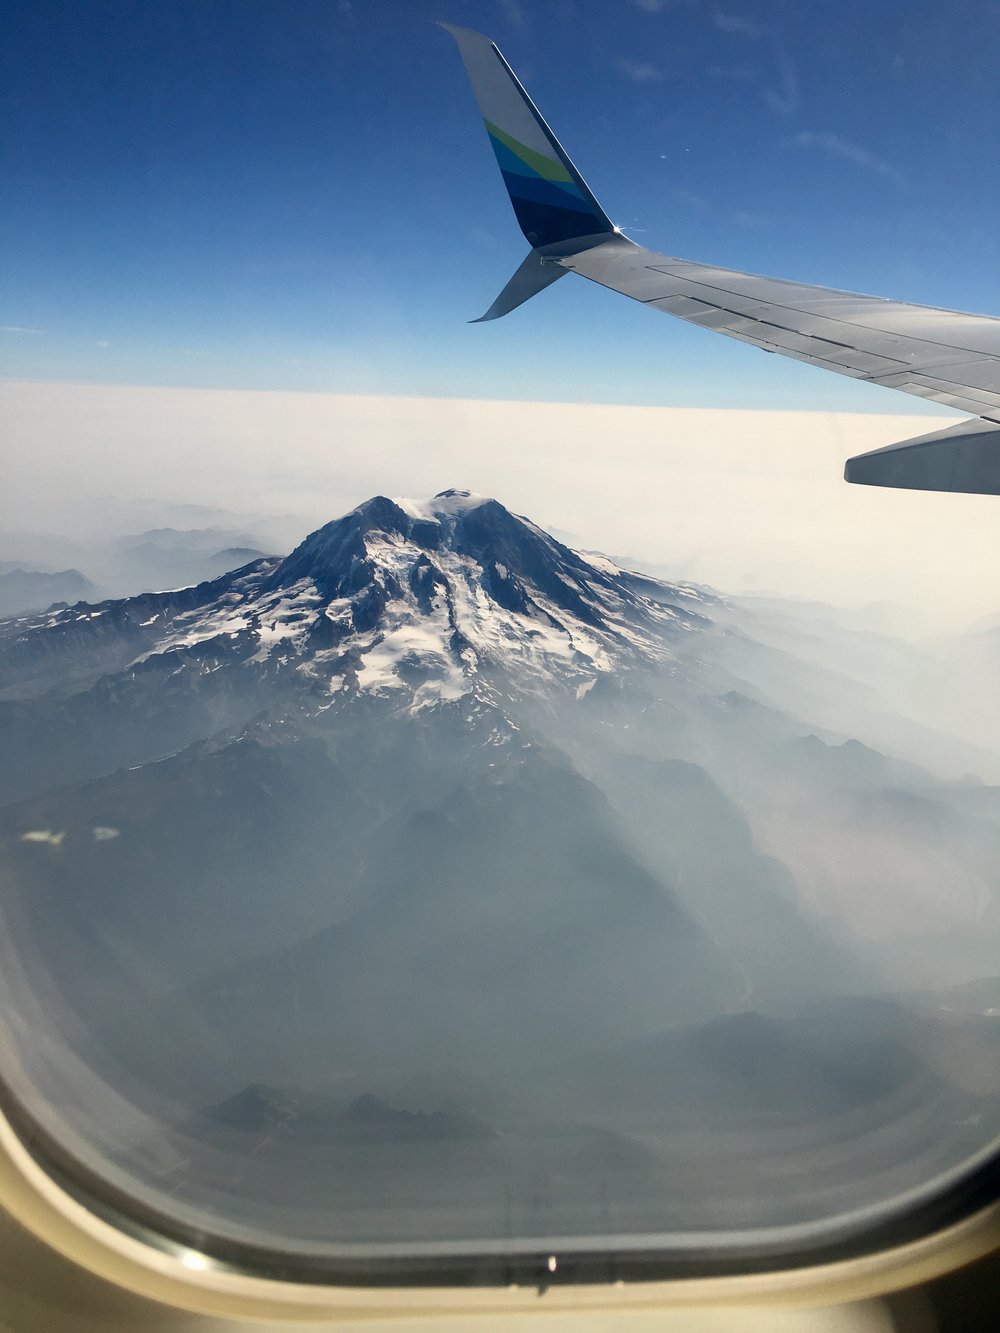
[490, 798]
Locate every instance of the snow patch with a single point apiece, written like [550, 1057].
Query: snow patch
[600, 562]
[45, 836]
[445, 505]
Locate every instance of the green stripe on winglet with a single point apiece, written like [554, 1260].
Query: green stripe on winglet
[546, 167]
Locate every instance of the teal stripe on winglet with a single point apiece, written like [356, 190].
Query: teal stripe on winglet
[514, 166]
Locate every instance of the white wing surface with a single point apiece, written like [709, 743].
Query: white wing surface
[944, 356]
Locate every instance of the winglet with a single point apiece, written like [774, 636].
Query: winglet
[534, 275]
[551, 200]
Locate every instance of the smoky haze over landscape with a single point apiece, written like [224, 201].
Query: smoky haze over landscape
[747, 501]
[439, 881]
[598, 848]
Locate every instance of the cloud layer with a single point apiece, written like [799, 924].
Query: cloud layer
[738, 499]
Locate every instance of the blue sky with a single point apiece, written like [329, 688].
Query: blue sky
[299, 195]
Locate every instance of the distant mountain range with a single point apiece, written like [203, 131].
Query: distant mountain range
[23, 590]
[115, 565]
[435, 803]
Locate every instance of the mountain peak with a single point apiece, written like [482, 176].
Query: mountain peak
[339, 555]
[444, 587]
[420, 600]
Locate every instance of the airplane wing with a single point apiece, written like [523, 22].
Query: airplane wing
[944, 356]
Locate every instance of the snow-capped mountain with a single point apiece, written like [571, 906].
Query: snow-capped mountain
[428, 601]
[446, 590]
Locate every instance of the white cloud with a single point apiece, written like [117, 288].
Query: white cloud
[737, 24]
[837, 146]
[658, 6]
[638, 71]
[780, 91]
[18, 328]
[690, 199]
[782, 96]
[513, 13]
[735, 498]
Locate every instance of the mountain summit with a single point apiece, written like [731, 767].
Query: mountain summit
[446, 588]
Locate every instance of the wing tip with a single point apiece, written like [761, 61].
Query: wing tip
[461, 33]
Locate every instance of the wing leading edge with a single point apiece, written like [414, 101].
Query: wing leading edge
[943, 356]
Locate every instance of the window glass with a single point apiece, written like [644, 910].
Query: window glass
[597, 850]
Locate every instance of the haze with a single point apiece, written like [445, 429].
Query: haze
[743, 500]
